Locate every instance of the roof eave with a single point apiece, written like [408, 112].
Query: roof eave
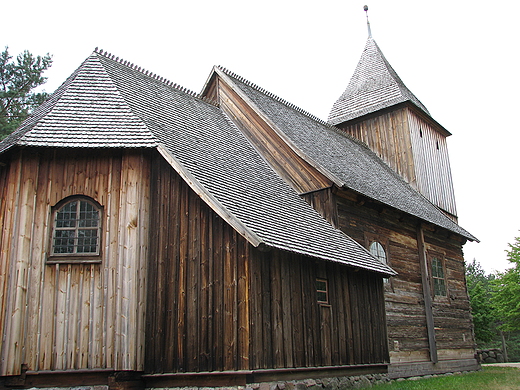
[467, 236]
[205, 195]
[377, 112]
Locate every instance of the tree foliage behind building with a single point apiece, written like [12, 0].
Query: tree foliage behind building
[19, 77]
[506, 291]
[479, 291]
[495, 304]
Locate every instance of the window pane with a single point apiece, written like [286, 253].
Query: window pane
[439, 283]
[64, 241]
[88, 215]
[322, 294]
[76, 228]
[87, 241]
[378, 251]
[66, 217]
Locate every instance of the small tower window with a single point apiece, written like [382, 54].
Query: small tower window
[76, 228]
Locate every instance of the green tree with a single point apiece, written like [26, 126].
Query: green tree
[479, 291]
[506, 291]
[18, 79]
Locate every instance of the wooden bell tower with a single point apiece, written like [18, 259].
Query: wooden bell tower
[378, 109]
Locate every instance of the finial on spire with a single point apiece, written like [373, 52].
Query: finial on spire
[365, 8]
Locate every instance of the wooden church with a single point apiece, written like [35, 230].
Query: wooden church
[154, 237]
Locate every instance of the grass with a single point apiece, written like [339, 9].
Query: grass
[489, 378]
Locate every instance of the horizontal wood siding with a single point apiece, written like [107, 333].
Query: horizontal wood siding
[73, 316]
[198, 306]
[407, 334]
[453, 322]
[289, 328]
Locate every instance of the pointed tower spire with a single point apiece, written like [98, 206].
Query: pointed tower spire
[374, 86]
[368, 23]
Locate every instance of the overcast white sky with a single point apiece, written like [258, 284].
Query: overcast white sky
[460, 58]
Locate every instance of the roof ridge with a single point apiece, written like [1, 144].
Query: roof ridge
[155, 76]
[273, 96]
[292, 106]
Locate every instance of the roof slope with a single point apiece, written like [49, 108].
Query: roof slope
[347, 159]
[201, 140]
[373, 86]
[85, 111]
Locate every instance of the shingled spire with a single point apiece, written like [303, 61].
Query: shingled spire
[374, 86]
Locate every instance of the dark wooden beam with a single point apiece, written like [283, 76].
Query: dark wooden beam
[427, 294]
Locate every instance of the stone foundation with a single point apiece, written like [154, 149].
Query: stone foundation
[490, 356]
[337, 383]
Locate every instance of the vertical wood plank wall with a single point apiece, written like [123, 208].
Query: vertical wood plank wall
[432, 164]
[213, 302]
[218, 304]
[296, 171]
[198, 303]
[387, 135]
[289, 328]
[73, 316]
[414, 149]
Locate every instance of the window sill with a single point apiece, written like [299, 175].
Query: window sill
[73, 260]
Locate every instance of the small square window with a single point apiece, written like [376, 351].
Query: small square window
[322, 291]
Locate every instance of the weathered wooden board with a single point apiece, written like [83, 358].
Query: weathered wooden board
[406, 316]
[198, 314]
[75, 315]
[283, 158]
[312, 335]
[414, 147]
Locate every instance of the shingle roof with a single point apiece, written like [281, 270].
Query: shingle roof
[77, 115]
[201, 139]
[373, 86]
[345, 158]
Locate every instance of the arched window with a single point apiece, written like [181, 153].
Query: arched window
[378, 252]
[76, 228]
